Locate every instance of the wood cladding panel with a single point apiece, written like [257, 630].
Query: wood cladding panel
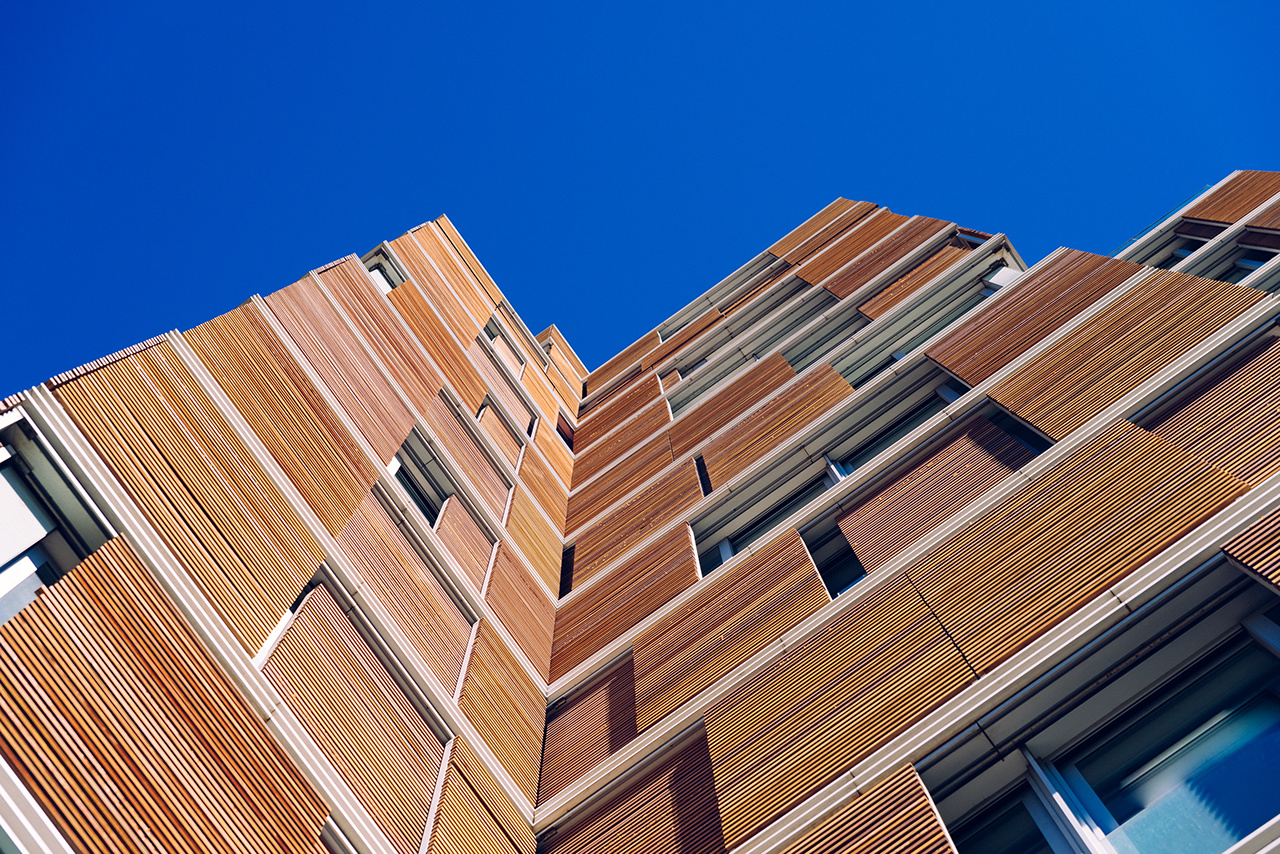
[1042, 302]
[819, 229]
[556, 452]
[445, 427]
[930, 491]
[286, 412]
[1055, 545]
[1236, 198]
[465, 540]
[507, 354]
[542, 484]
[373, 315]
[1269, 218]
[905, 286]
[588, 727]
[633, 469]
[649, 510]
[669, 807]
[475, 815]
[498, 384]
[617, 387]
[827, 704]
[463, 284]
[723, 624]
[620, 443]
[788, 412]
[505, 707]
[523, 607]
[696, 425]
[439, 293]
[128, 733]
[1123, 345]
[407, 589]
[599, 422]
[916, 233]
[641, 585]
[443, 347]
[537, 540]
[493, 426]
[680, 339]
[343, 366]
[896, 814]
[1257, 548]
[198, 484]
[850, 244]
[622, 362]
[359, 718]
[489, 296]
[543, 393]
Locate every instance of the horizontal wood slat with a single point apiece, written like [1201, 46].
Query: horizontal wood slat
[127, 732]
[817, 230]
[1087, 523]
[1269, 218]
[286, 412]
[905, 286]
[696, 425]
[1124, 344]
[1041, 303]
[631, 592]
[1257, 548]
[595, 425]
[536, 539]
[475, 815]
[343, 366]
[827, 704]
[587, 728]
[631, 470]
[1236, 198]
[465, 540]
[495, 428]
[442, 346]
[620, 443]
[505, 707]
[437, 291]
[930, 491]
[523, 608]
[598, 378]
[198, 484]
[918, 231]
[617, 387]
[680, 339]
[789, 411]
[499, 385]
[723, 624]
[407, 589]
[869, 231]
[446, 429]
[549, 492]
[359, 718]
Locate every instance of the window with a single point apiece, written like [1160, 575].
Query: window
[424, 480]
[944, 394]
[1181, 250]
[1242, 264]
[383, 271]
[565, 429]
[726, 547]
[1018, 824]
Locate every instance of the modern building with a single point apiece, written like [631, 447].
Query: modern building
[885, 543]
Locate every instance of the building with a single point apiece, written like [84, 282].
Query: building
[883, 543]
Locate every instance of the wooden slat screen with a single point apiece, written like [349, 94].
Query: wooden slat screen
[816, 231]
[621, 362]
[903, 242]
[849, 245]
[523, 607]
[490, 487]
[556, 452]
[788, 412]
[931, 491]
[433, 335]
[197, 483]
[438, 292]
[1235, 199]
[465, 540]
[600, 421]
[1124, 344]
[407, 588]
[647, 511]
[490, 297]
[633, 591]
[632, 470]
[1041, 303]
[696, 425]
[1269, 218]
[499, 386]
[475, 815]
[359, 717]
[680, 339]
[587, 728]
[505, 707]
[1258, 548]
[621, 443]
[1038, 556]
[723, 625]
[619, 386]
[896, 814]
[286, 411]
[566, 363]
[508, 356]
[463, 284]
[536, 539]
[550, 493]
[668, 808]
[492, 425]
[371, 312]
[127, 732]
[827, 704]
[905, 286]
[544, 395]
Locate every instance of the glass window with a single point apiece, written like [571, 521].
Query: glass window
[1015, 825]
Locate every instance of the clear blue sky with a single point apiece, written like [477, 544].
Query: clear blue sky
[607, 162]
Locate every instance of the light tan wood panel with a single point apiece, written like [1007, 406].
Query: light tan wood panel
[549, 492]
[523, 608]
[905, 241]
[621, 443]
[493, 426]
[817, 230]
[465, 540]
[622, 362]
[631, 470]
[905, 286]
[459, 274]
[475, 815]
[817, 268]
[1257, 548]
[536, 539]
[618, 387]
[1237, 197]
[445, 428]
[600, 421]
[433, 335]
[544, 395]
[499, 385]
[438, 292]
[588, 727]
[557, 453]
[695, 426]
[491, 296]
[680, 339]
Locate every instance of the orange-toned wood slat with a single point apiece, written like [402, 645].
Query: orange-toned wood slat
[931, 491]
[617, 387]
[359, 718]
[442, 346]
[681, 339]
[454, 437]
[869, 231]
[1257, 548]
[198, 484]
[342, 364]
[696, 425]
[550, 493]
[544, 395]
[905, 286]
[631, 470]
[789, 411]
[622, 362]
[621, 442]
[408, 590]
[438, 292]
[475, 815]
[508, 356]
[827, 704]
[1237, 197]
[1048, 297]
[536, 538]
[494, 427]
[491, 296]
[1269, 218]
[588, 727]
[1235, 422]
[633, 591]
[286, 412]
[724, 624]
[499, 385]
[463, 284]
[649, 510]
[465, 540]
[896, 814]
[567, 365]
[1137, 335]
[505, 707]
[556, 452]
[523, 607]
[918, 231]
[1050, 548]
[594, 426]
[371, 312]
[761, 287]
[128, 733]
[669, 807]
[819, 229]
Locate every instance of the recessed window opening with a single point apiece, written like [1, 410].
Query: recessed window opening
[724, 547]
[1021, 432]
[423, 478]
[1180, 250]
[943, 395]
[704, 479]
[565, 430]
[834, 558]
[1242, 264]
[687, 393]
[384, 273]
[566, 571]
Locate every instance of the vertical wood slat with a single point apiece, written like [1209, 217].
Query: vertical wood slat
[867, 232]
[445, 428]
[475, 815]
[536, 539]
[523, 608]
[696, 425]
[505, 707]
[499, 386]
[553, 448]
[494, 427]
[444, 350]
[436, 290]
[343, 366]
[915, 279]
[359, 717]
[543, 393]
[1237, 197]
[488, 297]
[723, 624]
[595, 425]
[621, 362]
[128, 733]
[903, 242]
[1257, 548]
[633, 469]
[550, 493]
[286, 412]
[465, 540]
[198, 484]
[585, 729]
[464, 285]
[1269, 218]
[815, 232]
[508, 356]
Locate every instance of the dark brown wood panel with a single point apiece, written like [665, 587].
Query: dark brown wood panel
[918, 231]
[815, 232]
[906, 286]
[587, 728]
[851, 243]
[1237, 197]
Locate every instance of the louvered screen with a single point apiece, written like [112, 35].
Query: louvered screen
[820, 228]
[465, 540]
[457, 272]
[598, 378]
[630, 471]
[1269, 218]
[618, 387]
[556, 452]
[549, 492]
[905, 286]
[820, 266]
[489, 296]
[523, 607]
[917, 232]
[499, 385]
[602, 419]
[492, 425]
[1237, 197]
[475, 816]
[536, 539]
[620, 443]
[445, 428]
[435, 338]
[698, 424]
[681, 339]
[438, 292]
[1258, 548]
[508, 355]
[544, 395]
[587, 728]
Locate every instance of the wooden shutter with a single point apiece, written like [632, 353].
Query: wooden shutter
[465, 540]
[620, 443]
[549, 492]
[523, 607]
[442, 346]
[1268, 219]
[821, 265]
[817, 230]
[537, 540]
[623, 361]
[489, 296]
[446, 429]
[699, 423]
[680, 339]
[1257, 548]
[587, 728]
[557, 454]
[439, 293]
[463, 284]
[475, 815]
[905, 286]
[1236, 198]
[499, 385]
[499, 434]
[600, 421]
[918, 231]
[631, 470]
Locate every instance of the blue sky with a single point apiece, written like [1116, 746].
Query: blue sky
[607, 162]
